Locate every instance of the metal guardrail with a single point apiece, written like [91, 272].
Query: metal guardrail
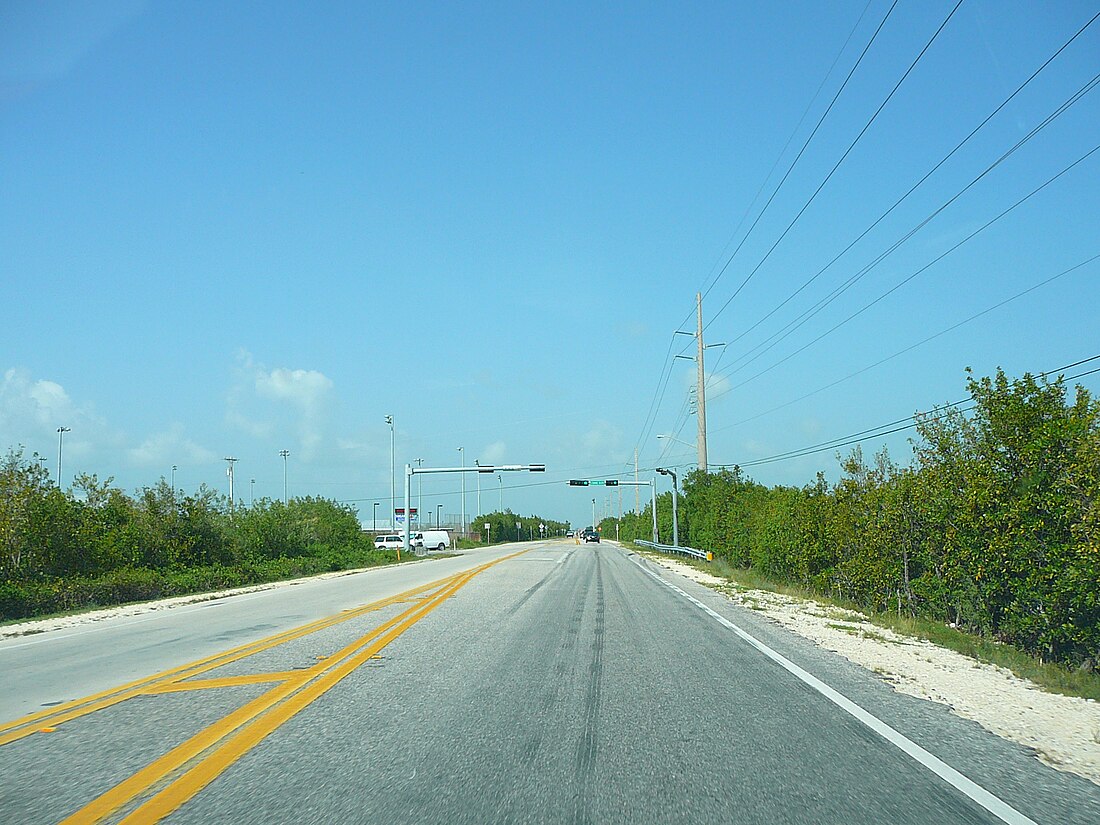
[702, 555]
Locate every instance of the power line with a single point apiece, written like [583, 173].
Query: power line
[924, 178]
[809, 313]
[707, 288]
[909, 348]
[836, 166]
[662, 382]
[920, 271]
[889, 428]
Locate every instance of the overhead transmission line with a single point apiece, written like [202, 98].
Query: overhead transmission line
[924, 178]
[911, 347]
[891, 427]
[666, 369]
[923, 269]
[836, 166]
[793, 325]
[806, 143]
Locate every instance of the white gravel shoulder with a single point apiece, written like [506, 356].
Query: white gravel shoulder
[1064, 731]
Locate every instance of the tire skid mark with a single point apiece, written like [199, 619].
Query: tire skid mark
[587, 746]
[551, 697]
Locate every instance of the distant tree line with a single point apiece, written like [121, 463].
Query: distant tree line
[502, 527]
[96, 545]
[994, 527]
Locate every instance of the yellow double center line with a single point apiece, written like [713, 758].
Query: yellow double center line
[167, 783]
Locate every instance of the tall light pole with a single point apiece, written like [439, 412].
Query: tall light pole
[251, 491]
[284, 454]
[60, 435]
[376, 517]
[419, 491]
[393, 476]
[229, 472]
[462, 529]
[500, 481]
[173, 481]
[675, 495]
[438, 510]
[478, 490]
[593, 514]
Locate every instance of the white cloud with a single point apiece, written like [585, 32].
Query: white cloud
[171, 446]
[40, 404]
[601, 439]
[306, 389]
[493, 453]
[261, 400]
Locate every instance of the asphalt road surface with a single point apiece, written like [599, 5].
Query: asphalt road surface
[566, 683]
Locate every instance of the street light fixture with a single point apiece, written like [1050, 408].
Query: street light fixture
[677, 440]
[60, 435]
[284, 454]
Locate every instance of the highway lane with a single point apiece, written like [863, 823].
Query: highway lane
[566, 684]
[45, 669]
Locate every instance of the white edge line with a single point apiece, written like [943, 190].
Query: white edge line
[994, 804]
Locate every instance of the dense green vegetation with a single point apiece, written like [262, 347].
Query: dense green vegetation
[994, 528]
[502, 527]
[94, 545]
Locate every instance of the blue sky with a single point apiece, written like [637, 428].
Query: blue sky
[231, 229]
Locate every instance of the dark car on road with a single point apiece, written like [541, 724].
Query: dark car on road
[590, 535]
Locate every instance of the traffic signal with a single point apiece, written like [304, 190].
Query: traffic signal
[612, 482]
[577, 482]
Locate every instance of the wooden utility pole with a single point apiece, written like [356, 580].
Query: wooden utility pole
[637, 498]
[700, 391]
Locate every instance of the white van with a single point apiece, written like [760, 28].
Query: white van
[438, 540]
[390, 542]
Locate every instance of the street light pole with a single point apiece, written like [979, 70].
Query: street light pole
[675, 495]
[478, 491]
[500, 480]
[173, 481]
[419, 491]
[393, 482]
[60, 436]
[376, 517]
[438, 510]
[229, 472]
[251, 491]
[284, 454]
[593, 514]
[462, 529]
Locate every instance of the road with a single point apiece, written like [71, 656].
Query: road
[548, 682]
